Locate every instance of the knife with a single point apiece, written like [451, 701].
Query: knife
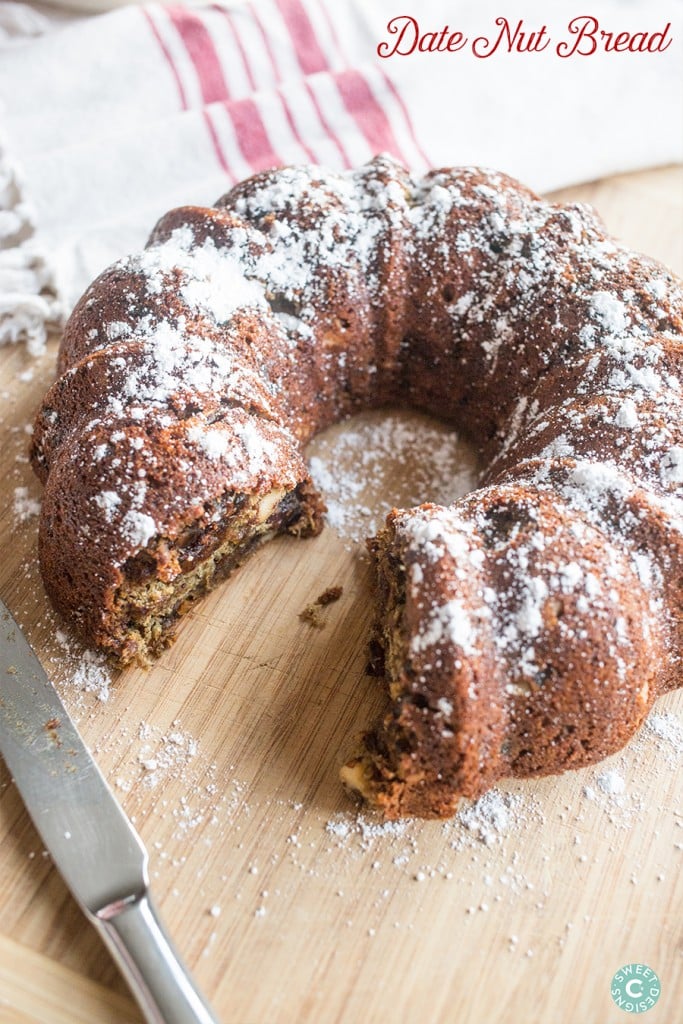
[93, 845]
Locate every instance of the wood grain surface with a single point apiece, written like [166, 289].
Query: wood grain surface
[289, 904]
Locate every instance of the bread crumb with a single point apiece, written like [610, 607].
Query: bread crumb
[311, 613]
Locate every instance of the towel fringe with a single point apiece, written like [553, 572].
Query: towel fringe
[29, 300]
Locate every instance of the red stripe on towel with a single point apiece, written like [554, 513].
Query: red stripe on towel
[278, 78]
[250, 131]
[353, 89]
[332, 135]
[169, 59]
[391, 85]
[218, 149]
[254, 85]
[310, 155]
[311, 60]
[368, 113]
[202, 52]
[406, 116]
[251, 135]
[266, 43]
[238, 44]
[308, 50]
[332, 30]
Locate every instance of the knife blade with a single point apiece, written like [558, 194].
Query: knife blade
[93, 845]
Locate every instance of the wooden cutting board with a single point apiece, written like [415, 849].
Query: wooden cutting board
[288, 904]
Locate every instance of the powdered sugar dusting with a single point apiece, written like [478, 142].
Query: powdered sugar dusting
[165, 754]
[83, 671]
[25, 506]
[611, 782]
[447, 624]
[610, 311]
[491, 818]
[668, 727]
[138, 527]
[382, 460]
[214, 442]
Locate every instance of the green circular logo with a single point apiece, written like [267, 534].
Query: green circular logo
[635, 988]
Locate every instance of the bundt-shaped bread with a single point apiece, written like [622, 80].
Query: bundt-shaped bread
[524, 630]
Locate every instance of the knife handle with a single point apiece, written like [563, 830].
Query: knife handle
[158, 979]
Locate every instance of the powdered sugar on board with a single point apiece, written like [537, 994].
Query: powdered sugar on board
[480, 851]
[81, 671]
[381, 460]
[481, 855]
[667, 727]
[25, 506]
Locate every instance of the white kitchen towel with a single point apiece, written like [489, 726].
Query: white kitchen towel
[108, 121]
